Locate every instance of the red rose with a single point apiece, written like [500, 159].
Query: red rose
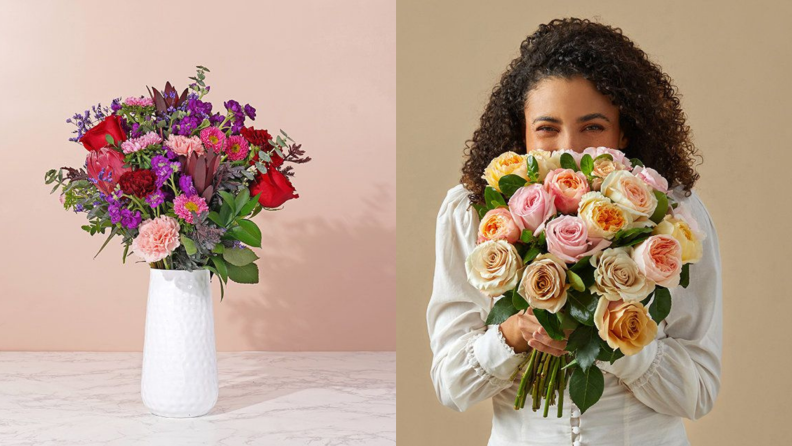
[94, 139]
[261, 139]
[139, 183]
[275, 188]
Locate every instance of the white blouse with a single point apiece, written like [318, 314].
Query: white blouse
[646, 394]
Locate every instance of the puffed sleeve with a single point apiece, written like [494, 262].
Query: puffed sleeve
[680, 373]
[472, 361]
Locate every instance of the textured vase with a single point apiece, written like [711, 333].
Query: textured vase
[179, 376]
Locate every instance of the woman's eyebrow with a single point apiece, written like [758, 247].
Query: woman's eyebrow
[584, 118]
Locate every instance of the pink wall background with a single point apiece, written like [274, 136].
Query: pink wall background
[323, 71]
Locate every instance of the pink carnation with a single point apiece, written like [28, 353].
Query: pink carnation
[213, 138]
[136, 144]
[185, 146]
[140, 102]
[237, 148]
[184, 205]
[157, 238]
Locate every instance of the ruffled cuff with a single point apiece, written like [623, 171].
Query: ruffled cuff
[493, 358]
[634, 371]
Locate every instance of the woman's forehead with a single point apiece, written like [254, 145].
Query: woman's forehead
[567, 100]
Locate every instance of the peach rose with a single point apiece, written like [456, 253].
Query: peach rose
[659, 258]
[545, 161]
[568, 239]
[494, 267]
[617, 276]
[531, 206]
[498, 224]
[567, 187]
[629, 192]
[624, 325]
[603, 218]
[555, 157]
[651, 177]
[544, 284]
[156, 239]
[692, 248]
[617, 155]
[183, 145]
[509, 163]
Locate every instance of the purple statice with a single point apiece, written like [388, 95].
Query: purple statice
[250, 112]
[186, 185]
[129, 219]
[238, 244]
[155, 198]
[116, 105]
[78, 208]
[163, 168]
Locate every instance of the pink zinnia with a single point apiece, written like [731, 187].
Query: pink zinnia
[237, 148]
[136, 144]
[184, 205]
[141, 102]
[157, 238]
[214, 138]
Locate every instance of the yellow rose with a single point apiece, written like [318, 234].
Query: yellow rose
[544, 284]
[509, 163]
[624, 325]
[617, 276]
[692, 248]
[603, 218]
[494, 267]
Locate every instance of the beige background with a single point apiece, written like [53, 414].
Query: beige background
[732, 63]
[322, 71]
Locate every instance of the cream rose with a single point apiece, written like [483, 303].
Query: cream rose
[692, 249]
[546, 162]
[624, 325]
[603, 218]
[544, 284]
[493, 267]
[629, 192]
[617, 276]
[509, 163]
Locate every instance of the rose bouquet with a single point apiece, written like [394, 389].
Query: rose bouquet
[591, 242]
[177, 182]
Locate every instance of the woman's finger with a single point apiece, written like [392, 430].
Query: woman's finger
[545, 339]
[535, 344]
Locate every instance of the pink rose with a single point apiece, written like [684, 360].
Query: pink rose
[498, 224]
[182, 145]
[659, 257]
[567, 238]
[157, 238]
[530, 207]
[652, 178]
[567, 187]
[618, 155]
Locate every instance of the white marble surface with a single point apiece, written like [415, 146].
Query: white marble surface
[281, 399]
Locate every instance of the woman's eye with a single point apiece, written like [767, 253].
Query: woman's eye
[595, 127]
[545, 128]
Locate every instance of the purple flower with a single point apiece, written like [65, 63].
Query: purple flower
[163, 168]
[186, 185]
[116, 105]
[130, 220]
[233, 106]
[250, 111]
[199, 108]
[155, 198]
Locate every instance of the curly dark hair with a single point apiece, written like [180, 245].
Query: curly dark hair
[649, 108]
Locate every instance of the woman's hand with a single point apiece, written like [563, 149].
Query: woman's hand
[523, 330]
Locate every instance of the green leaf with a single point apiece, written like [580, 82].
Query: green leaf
[109, 139]
[222, 288]
[502, 310]
[662, 207]
[215, 217]
[493, 198]
[241, 200]
[239, 233]
[568, 322]
[243, 274]
[189, 245]
[582, 306]
[253, 229]
[510, 183]
[248, 207]
[684, 276]
[220, 264]
[124, 256]
[586, 387]
[481, 210]
[239, 257]
[229, 200]
[550, 323]
[636, 162]
[112, 234]
[531, 254]
[587, 164]
[571, 363]
[517, 301]
[567, 162]
[526, 236]
[582, 263]
[226, 215]
[607, 353]
[661, 305]
[607, 156]
[585, 342]
[533, 169]
[575, 281]
[218, 249]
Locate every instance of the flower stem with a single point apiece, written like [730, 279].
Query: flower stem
[519, 401]
[562, 386]
[551, 385]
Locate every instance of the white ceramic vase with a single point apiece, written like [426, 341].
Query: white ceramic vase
[179, 355]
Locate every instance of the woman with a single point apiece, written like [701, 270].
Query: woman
[578, 84]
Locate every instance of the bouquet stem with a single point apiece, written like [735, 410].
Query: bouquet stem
[542, 378]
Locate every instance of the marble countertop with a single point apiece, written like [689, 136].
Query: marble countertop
[266, 398]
